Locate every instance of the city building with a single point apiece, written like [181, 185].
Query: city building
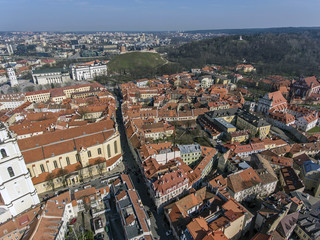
[273, 101]
[307, 122]
[11, 100]
[190, 153]
[88, 70]
[12, 76]
[169, 186]
[308, 226]
[230, 220]
[206, 81]
[245, 68]
[304, 87]
[256, 125]
[17, 192]
[50, 76]
[66, 157]
[248, 184]
[290, 181]
[310, 174]
[134, 220]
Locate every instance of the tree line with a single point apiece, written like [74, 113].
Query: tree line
[283, 53]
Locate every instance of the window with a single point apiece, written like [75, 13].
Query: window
[115, 147]
[78, 157]
[55, 164]
[68, 160]
[29, 172]
[3, 153]
[109, 152]
[10, 171]
[42, 168]
[89, 153]
[99, 150]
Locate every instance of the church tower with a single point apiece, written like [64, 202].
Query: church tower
[17, 192]
[12, 76]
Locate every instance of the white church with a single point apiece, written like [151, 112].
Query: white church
[17, 192]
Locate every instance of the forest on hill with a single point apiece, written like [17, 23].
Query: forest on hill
[292, 54]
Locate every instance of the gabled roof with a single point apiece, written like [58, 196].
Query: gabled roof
[242, 180]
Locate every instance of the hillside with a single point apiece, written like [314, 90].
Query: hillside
[136, 63]
[286, 53]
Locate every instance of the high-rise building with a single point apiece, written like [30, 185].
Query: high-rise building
[17, 192]
[9, 49]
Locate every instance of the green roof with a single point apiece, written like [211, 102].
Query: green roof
[49, 70]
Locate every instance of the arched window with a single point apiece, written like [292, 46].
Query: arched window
[108, 150]
[115, 147]
[68, 160]
[42, 168]
[55, 164]
[89, 153]
[99, 151]
[10, 171]
[3, 153]
[78, 157]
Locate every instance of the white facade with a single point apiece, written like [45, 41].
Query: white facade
[5, 105]
[88, 71]
[304, 125]
[12, 76]
[17, 192]
[206, 82]
[42, 77]
[163, 158]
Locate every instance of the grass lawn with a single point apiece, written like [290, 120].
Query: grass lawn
[131, 61]
[314, 130]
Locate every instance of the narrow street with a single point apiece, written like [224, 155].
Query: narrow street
[158, 225]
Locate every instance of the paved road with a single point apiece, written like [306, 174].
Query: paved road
[158, 224]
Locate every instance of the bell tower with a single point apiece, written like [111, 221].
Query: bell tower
[12, 76]
[17, 192]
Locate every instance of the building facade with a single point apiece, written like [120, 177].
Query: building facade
[87, 71]
[12, 76]
[17, 193]
[50, 76]
[64, 158]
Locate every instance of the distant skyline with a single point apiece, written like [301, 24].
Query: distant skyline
[155, 15]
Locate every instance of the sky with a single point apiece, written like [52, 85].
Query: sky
[155, 15]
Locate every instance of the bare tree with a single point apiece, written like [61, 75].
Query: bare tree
[80, 172]
[101, 164]
[50, 181]
[90, 171]
[62, 174]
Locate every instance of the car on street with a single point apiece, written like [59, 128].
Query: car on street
[168, 233]
[99, 236]
[73, 221]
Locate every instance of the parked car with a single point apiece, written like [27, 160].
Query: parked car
[99, 236]
[73, 221]
[168, 233]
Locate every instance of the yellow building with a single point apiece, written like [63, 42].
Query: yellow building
[254, 124]
[224, 125]
[239, 136]
[65, 157]
[38, 96]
